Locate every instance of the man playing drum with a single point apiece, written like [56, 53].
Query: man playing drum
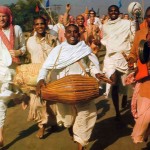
[64, 60]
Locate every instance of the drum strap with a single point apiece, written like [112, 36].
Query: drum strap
[55, 61]
[81, 65]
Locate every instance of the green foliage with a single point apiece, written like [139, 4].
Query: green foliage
[24, 13]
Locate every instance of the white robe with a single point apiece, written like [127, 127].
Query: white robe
[7, 70]
[118, 36]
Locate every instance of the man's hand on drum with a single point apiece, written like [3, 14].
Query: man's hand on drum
[102, 77]
[39, 85]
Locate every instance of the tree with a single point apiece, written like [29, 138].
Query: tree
[24, 13]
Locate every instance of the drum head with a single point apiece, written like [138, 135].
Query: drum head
[144, 51]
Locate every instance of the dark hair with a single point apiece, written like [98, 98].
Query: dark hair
[73, 25]
[145, 16]
[79, 16]
[92, 11]
[115, 6]
[40, 17]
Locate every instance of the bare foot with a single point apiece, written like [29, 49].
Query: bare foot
[24, 106]
[40, 133]
[1, 143]
[80, 147]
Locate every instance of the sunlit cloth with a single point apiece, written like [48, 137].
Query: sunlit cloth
[141, 129]
[69, 54]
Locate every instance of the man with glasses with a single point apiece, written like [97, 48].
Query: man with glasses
[97, 21]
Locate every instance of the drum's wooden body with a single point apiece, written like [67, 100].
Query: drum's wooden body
[71, 89]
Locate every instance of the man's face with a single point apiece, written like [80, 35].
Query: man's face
[4, 20]
[113, 13]
[61, 19]
[92, 14]
[92, 19]
[148, 18]
[39, 26]
[72, 35]
[126, 17]
[80, 20]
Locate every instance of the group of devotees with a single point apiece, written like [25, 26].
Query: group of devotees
[71, 48]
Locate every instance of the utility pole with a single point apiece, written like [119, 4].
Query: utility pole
[143, 7]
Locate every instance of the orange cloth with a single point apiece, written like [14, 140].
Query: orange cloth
[143, 24]
[142, 70]
[140, 35]
[144, 88]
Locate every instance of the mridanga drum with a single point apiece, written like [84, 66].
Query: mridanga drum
[71, 89]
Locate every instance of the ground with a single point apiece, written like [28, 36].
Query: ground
[107, 135]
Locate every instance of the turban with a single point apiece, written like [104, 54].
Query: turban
[8, 43]
[7, 11]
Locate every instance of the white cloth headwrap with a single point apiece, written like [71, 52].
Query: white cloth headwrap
[68, 55]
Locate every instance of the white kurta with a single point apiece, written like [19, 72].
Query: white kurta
[39, 50]
[97, 22]
[81, 116]
[7, 71]
[58, 26]
[118, 36]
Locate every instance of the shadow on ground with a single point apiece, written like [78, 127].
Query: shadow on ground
[107, 131]
[22, 135]
[25, 133]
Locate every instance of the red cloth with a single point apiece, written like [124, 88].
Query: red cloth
[37, 9]
[142, 70]
[8, 44]
[143, 24]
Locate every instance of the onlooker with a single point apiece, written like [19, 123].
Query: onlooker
[39, 46]
[117, 37]
[126, 16]
[140, 105]
[59, 25]
[97, 21]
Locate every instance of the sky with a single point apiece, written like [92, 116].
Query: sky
[78, 6]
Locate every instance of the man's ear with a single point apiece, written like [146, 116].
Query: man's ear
[65, 34]
[33, 27]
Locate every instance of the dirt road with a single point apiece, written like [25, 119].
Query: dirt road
[107, 135]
